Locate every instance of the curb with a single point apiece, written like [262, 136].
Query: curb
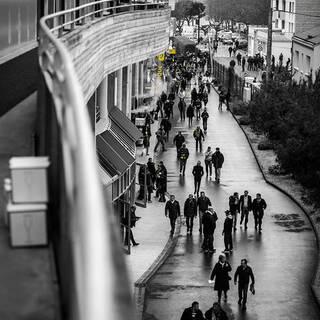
[314, 287]
[141, 284]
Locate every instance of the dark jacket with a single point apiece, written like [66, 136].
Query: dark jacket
[151, 168]
[203, 203]
[166, 124]
[197, 172]
[221, 274]
[190, 112]
[234, 204]
[179, 140]
[190, 207]
[244, 275]
[258, 207]
[187, 315]
[249, 203]
[183, 153]
[172, 209]
[133, 219]
[217, 159]
[198, 134]
[160, 134]
[227, 226]
[209, 222]
[218, 314]
[205, 116]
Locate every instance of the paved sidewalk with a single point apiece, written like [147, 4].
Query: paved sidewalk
[26, 275]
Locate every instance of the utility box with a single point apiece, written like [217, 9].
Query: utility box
[29, 179]
[28, 224]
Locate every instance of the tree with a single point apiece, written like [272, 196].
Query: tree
[181, 13]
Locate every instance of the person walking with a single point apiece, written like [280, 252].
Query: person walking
[230, 51]
[198, 136]
[190, 114]
[203, 203]
[245, 208]
[205, 116]
[227, 232]
[258, 207]
[182, 109]
[244, 273]
[217, 161]
[152, 170]
[172, 210]
[166, 125]
[129, 225]
[183, 157]
[160, 134]
[208, 161]
[216, 313]
[193, 312]
[243, 63]
[146, 138]
[220, 273]
[194, 95]
[161, 182]
[205, 97]
[198, 106]
[179, 140]
[234, 207]
[197, 174]
[209, 220]
[190, 211]
[239, 56]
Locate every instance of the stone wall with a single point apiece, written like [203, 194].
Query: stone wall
[107, 44]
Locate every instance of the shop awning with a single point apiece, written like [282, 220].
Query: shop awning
[124, 139]
[124, 124]
[113, 157]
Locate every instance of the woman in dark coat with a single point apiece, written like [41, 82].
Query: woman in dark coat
[221, 274]
[190, 114]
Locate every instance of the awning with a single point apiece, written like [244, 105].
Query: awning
[122, 137]
[113, 157]
[124, 124]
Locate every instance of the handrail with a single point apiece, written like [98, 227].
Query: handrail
[100, 286]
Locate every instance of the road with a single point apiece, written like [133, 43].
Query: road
[283, 257]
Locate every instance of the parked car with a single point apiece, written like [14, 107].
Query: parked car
[243, 44]
[227, 41]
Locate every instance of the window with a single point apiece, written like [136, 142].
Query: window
[308, 62]
[277, 4]
[296, 59]
[283, 4]
[292, 7]
[283, 24]
[301, 66]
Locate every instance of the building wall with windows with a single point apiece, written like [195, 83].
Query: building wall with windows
[283, 16]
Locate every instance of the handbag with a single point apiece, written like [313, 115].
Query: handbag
[252, 289]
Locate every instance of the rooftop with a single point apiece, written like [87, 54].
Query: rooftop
[310, 35]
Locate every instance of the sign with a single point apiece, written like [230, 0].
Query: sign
[260, 48]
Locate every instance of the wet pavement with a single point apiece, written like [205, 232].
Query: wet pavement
[283, 257]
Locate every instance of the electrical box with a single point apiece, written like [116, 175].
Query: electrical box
[29, 179]
[28, 224]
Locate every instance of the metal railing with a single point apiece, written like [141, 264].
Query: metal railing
[99, 287]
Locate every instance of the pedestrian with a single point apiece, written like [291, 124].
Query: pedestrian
[243, 63]
[221, 98]
[258, 207]
[216, 313]
[198, 136]
[208, 84]
[197, 174]
[239, 56]
[234, 207]
[190, 114]
[205, 116]
[220, 273]
[130, 222]
[227, 99]
[245, 208]
[163, 98]
[244, 273]
[166, 125]
[178, 140]
[152, 170]
[146, 138]
[281, 59]
[217, 161]
[183, 157]
[172, 210]
[160, 134]
[208, 161]
[194, 95]
[205, 97]
[167, 108]
[203, 203]
[209, 220]
[161, 182]
[190, 211]
[227, 232]
[182, 109]
[230, 51]
[192, 313]
[234, 50]
[288, 63]
[198, 106]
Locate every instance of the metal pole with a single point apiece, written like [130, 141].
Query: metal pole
[269, 41]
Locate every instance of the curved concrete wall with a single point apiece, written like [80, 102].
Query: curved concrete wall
[105, 45]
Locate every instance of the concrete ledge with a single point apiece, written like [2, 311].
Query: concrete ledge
[141, 284]
[315, 285]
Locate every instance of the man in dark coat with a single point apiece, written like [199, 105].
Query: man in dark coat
[243, 63]
[190, 114]
[258, 207]
[234, 206]
[182, 109]
[166, 125]
[190, 211]
[203, 204]
[183, 156]
[220, 273]
[172, 210]
[217, 161]
[178, 140]
[227, 232]
[197, 174]
[244, 273]
[205, 116]
[152, 170]
[209, 220]
[198, 136]
[216, 313]
[160, 134]
[245, 208]
[192, 313]
[133, 220]
[161, 176]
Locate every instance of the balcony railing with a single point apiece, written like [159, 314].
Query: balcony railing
[99, 289]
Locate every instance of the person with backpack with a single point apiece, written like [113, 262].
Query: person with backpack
[183, 157]
[198, 136]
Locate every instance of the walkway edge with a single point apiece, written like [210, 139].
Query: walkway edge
[141, 284]
[315, 284]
